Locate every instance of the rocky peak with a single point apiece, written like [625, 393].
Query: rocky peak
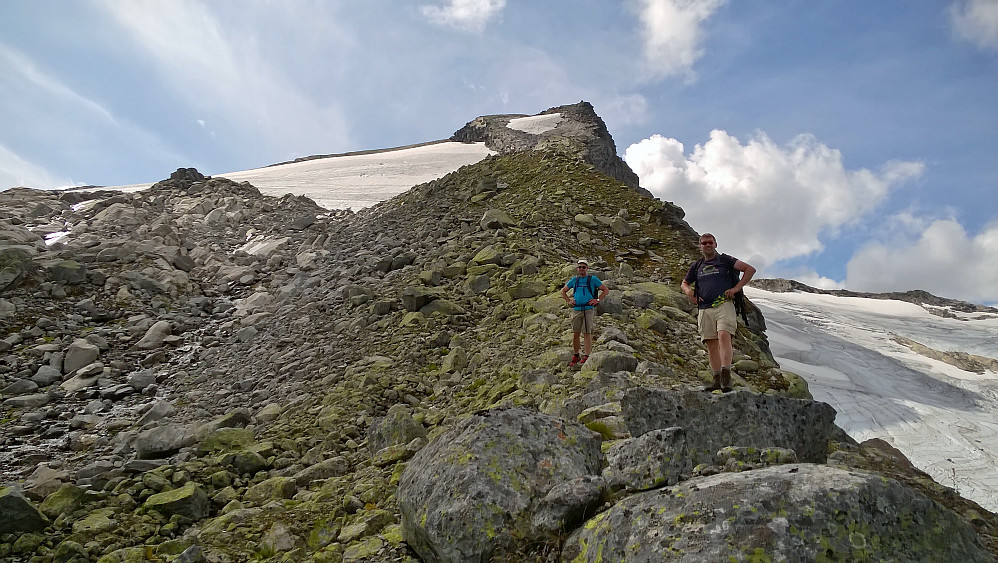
[575, 129]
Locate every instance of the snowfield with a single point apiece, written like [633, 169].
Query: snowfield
[944, 419]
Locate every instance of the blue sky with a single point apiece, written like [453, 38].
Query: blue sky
[844, 144]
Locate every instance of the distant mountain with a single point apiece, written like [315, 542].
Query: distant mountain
[200, 371]
[938, 305]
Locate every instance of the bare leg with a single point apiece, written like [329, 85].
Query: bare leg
[575, 342]
[589, 344]
[714, 352]
[724, 348]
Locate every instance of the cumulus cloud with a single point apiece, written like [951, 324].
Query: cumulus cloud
[764, 202]
[943, 259]
[976, 21]
[464, 15]
[672, 33]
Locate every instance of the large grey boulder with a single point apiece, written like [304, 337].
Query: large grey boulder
[713, 421]
[155, 336]
[798, 512]
[396, 428]
[189, 501]
[470, 495]
[163, 441]
[496, 219]
[18, 514]
[654, 459]
[80, 353]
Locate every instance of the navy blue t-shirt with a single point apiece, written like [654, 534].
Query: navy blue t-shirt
[582, 292]
[712, 279]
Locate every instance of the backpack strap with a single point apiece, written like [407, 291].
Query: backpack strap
[696, 279]
[735, 276]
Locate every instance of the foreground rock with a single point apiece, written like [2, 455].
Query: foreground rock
[470, 495]
[797, 512]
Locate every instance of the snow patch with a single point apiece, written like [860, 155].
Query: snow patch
[536, 124]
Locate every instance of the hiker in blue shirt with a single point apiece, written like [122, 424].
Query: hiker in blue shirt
[710, 285]
[583, 302]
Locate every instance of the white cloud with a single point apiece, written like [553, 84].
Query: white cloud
[764, 202]
[943, 259]
[17, 172]
[976, 21]
[19, 67]
[464, 15]
[222, 73]
[623, 110]
[672, 33]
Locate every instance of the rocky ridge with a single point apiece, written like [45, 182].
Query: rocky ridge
[198, 372]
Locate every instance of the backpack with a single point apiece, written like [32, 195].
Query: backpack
[734, 276]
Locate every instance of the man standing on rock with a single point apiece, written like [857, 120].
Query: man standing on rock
[583, 302]
[711, 284]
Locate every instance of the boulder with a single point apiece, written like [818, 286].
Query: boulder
[189, 501]
[654, 459]
[469, 494]
[80, 353]
[155, 336]
[395, 428]
[496, 219]
[162, 441]
[741, 418]
[415, 298]
[18, 514]
[798, 512]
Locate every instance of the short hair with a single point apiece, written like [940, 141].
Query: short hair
[706, 235]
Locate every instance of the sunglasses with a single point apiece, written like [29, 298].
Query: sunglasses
[583, 267]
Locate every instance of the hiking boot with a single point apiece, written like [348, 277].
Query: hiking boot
[575, 360]
[584, 358]
[717, 383]
[725, 378]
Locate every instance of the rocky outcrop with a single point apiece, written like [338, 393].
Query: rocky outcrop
[796, 512]
[575, 129]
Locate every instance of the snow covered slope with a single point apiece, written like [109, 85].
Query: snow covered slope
[889, 369]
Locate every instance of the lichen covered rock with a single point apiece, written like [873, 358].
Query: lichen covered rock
[798, 512]
[470, 493]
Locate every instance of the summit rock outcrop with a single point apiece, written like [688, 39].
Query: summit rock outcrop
[575, 129]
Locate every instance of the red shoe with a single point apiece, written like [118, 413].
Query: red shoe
[584, 358]
[575, 360]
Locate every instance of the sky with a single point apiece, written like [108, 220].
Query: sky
[847, 144]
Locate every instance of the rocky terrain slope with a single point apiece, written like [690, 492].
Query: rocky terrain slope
[197, 372]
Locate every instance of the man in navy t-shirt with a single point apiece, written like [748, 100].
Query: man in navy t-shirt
[583, 302]
[709, 285]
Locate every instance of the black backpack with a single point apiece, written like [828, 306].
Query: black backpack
[734, 276]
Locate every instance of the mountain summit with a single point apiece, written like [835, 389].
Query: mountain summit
[199, 372]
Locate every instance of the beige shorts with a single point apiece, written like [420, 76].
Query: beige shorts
[722, 317]
[583, 321]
